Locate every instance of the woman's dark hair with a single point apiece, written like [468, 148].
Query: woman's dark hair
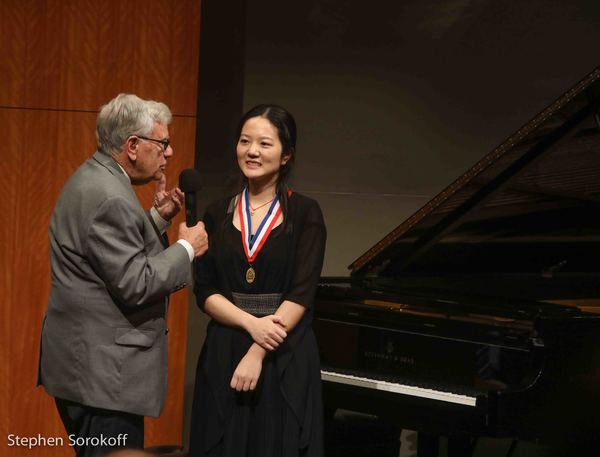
[285, 124]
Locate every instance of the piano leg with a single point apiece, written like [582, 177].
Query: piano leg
[428, 445]
[352, 434]
[461, 445]
[512, 448]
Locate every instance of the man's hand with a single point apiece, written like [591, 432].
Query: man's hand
[166, 203]
[246, 375]
[196, 236]
[269, 331]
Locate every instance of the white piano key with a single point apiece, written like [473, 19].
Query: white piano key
[398, 388]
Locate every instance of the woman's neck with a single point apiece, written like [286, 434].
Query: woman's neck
[262, 190]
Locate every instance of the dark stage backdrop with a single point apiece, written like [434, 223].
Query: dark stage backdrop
[59, 61]
[394, 100]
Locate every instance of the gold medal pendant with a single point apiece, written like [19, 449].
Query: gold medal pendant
[250, 275]
[254, 243]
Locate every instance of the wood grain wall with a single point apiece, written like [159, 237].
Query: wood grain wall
[60, 60]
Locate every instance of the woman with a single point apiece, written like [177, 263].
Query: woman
[258, 387]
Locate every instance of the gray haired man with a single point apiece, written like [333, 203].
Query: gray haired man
[104, 337]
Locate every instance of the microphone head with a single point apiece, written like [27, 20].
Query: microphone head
[189, 180]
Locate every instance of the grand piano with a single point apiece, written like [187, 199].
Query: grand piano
[480, 314]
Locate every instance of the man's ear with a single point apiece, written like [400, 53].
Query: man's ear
[131, 147]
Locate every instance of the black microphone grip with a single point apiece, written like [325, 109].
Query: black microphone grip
[189, 183]
[190, 209]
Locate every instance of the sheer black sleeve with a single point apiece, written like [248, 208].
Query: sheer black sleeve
[308, 256]
[205, 273]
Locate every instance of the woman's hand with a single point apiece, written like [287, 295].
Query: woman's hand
[246, 375]
[268, 331]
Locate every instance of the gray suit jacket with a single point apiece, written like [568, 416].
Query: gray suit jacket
[104, 337]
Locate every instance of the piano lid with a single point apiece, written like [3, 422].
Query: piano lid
[529, 207]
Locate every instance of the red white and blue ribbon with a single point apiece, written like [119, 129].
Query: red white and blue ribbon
[253, 244]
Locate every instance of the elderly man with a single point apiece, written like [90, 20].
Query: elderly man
[104, 338]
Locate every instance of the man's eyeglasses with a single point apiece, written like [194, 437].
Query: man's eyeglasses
[164, 143]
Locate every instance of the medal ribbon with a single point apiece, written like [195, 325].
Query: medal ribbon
[253, 244]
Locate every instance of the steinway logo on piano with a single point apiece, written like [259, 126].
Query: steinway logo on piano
[389, 355]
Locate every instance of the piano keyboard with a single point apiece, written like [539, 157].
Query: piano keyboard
[397, 388]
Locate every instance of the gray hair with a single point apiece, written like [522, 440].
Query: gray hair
[127, 115]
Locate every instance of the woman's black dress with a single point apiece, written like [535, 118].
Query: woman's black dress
[283, 416]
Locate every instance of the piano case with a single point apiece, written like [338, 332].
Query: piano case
[478, 315]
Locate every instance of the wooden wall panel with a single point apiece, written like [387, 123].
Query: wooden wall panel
[77, 54]
[13, 53]
[185, 57]
[13, 123]
[60, 61]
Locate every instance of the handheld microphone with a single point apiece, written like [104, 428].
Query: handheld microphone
[189, 183]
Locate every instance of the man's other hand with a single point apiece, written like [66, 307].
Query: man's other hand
[168, 203]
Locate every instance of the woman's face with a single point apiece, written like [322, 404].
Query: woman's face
[259, 151]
